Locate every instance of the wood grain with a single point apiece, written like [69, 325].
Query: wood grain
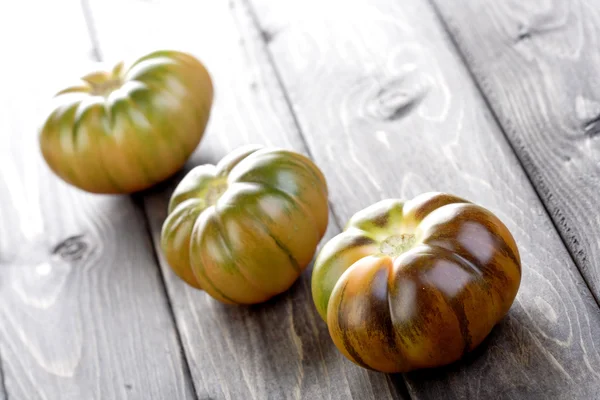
[279, 349]
[537, 71]
[83, 311]
[389, 110]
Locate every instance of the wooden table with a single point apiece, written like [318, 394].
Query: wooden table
[495, 101]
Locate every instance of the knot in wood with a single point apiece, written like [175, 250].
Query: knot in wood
[71, 249]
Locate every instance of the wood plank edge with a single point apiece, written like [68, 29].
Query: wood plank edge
[91, 29]
[460, 52]
[399, 386]
[264, 39]
[3, 392]
[139, 203]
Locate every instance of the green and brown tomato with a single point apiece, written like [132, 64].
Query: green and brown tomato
[245, 229]
[125, 130]
[416, 284]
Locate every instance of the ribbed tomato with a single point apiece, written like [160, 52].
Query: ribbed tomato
[245, 229]
[416, 284]
[125, 130]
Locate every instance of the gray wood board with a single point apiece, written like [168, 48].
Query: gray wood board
[389, 110]
[83, 310]
[279, 349]
[538, 71]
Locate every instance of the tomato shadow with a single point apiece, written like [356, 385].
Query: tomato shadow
[466, 361]
[502, 366]
[284, 337]
[290, 344]
[435, 381]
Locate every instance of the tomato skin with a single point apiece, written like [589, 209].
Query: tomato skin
[125, 130]
[416, 284]
[245, 229]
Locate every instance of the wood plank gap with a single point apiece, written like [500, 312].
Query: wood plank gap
[264, 38]
[91, 28]
[497, 121]
[399, 385]
[279, 349]
[377, 86]
[80, 301]
[265, 48]
[3, 391]
[139, 203]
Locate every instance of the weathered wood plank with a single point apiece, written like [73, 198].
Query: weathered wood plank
[274, 350]
[83, 311]
[537, 71]
[389, 110]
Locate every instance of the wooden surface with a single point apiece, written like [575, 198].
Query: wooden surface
[538, 71]
[388, 110]
[83, 310]
[376, 92]
[279, 349]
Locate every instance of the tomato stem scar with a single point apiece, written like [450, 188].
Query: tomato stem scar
[395, 245]
[214, 191]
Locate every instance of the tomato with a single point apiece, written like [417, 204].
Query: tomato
[245, 229]
[416, 284]
[125, 130]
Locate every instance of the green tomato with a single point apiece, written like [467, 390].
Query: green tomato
[245, 229]
[128, 129]
[416, 284]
